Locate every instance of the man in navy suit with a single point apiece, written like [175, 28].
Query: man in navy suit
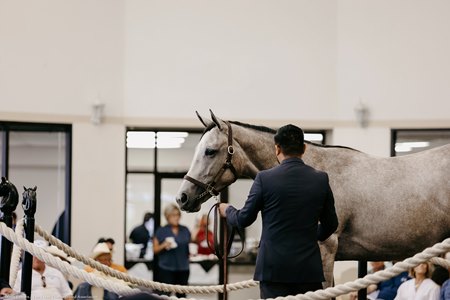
[293, 198]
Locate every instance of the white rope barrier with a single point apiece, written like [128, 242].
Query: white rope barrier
[121, 289]
[114, 286]
[379, 276]
[16, 254]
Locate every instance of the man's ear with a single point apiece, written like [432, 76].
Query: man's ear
[277, 149]
[304, 148]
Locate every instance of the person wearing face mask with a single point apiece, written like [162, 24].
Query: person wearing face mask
[143, 233]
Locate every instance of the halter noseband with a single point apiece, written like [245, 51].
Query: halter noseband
[209, 187]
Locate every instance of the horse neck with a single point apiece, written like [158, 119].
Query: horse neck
[257, 150]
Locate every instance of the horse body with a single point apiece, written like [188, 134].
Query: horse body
[388, 208]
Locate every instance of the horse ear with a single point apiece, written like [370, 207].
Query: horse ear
[35, 188]
[204, 121]
[215, 119]
[24, 188]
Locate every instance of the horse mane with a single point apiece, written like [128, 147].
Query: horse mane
[331, 146]
[255, 127]
[270, 130]
[273, 131]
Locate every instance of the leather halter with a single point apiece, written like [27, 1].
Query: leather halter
[209, 187]
[221, 251]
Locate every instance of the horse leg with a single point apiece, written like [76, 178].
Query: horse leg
[328, 251]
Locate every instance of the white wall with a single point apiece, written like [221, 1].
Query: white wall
[393, 56]
[58, 57]
[98, 189]
[232, 56]
[156, 62]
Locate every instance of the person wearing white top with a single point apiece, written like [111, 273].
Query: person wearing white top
[421, 287]
[46, 282]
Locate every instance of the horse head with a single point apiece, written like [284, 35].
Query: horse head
[10, 197]
[29, 201]
[213, 166]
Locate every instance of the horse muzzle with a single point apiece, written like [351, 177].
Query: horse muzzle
[186, 205]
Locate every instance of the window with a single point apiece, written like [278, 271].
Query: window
[409, 141]
[36, 154]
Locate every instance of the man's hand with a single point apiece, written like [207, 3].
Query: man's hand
[222, 209]
[6, 291]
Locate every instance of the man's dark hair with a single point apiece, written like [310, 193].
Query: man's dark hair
[291, 140]
[106, 240]
[147, 216]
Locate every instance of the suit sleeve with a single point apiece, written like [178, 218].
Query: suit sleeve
[4, 284]
[247, 215]
[328, 218]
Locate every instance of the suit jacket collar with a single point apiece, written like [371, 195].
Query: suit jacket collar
[292, 159]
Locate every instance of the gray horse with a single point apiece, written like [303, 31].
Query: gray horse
[388, 208]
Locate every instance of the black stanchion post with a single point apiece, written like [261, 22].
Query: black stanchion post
[8, 205]
[362, 271]
[29, 208]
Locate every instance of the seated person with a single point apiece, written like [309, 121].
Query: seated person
[64, 257]
[421, 287]
[85, 290]
[385, 290]
[109, 263]
[47, 282]
[110, 242]
[445, 290]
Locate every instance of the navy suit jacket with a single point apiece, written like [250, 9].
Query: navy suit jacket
[293, 198]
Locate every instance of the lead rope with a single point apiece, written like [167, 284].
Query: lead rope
[222, 254]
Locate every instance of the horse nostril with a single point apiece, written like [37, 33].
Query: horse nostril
[183, 198]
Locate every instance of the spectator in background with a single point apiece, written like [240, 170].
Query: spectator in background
[46, 282]
[110, 243]
[421, 287]
[171, 244]
[385, 290]
[103, 254]
[63, 256]
[445, 290]
[441, 274]
[85, 290]
[143, 233]
[202, 236]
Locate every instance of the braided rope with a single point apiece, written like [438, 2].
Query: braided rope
[16, 254]
[441, 262]
[118, 287]
[427, 254]
[139, 281]
[379, 276]
[321, 294]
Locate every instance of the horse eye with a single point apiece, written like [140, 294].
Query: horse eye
[210, 152]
